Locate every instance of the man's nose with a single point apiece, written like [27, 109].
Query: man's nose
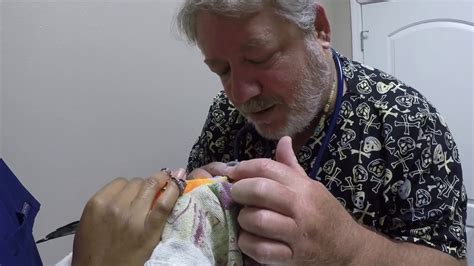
[243, 87]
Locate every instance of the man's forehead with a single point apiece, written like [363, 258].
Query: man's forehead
[262, 39]
[252, 35]
[259, 41]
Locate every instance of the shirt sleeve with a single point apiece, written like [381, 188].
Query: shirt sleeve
[428, 202]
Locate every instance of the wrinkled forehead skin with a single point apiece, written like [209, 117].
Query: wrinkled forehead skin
[257, 28]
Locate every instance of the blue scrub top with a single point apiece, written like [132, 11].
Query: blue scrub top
[18, 209]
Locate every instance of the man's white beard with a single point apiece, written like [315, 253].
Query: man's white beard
[309, 96]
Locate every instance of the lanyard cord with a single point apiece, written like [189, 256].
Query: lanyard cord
[335, 113]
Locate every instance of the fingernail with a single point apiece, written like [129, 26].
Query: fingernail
[181, 173]
[232, 163]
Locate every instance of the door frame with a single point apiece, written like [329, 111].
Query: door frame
[357, 27]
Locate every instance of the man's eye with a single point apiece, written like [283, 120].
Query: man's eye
[260, 60]
[257, 60]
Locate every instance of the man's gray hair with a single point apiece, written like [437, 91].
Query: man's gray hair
[300, 12]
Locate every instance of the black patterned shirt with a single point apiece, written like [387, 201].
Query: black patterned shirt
[391, 161]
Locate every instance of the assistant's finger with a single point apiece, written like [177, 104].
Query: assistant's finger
[268, 224]
[107, 193]
[128, 193]
[147, 194]
[263, 250]
[164, 204]
[263, 193]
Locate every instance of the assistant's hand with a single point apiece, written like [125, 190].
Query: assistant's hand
[120, 225]
[288, 217]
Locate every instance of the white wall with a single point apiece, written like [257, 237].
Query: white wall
[94, 90]
[339, 15]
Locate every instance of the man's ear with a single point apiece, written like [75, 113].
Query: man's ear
[322, 27]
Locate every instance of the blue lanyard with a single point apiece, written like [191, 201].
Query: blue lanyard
[335, 113]
[329, 132]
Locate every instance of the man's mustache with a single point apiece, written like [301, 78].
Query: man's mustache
[257, 105]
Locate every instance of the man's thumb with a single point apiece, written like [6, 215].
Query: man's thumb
[286, 155]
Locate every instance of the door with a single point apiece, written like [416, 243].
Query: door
[429, 44]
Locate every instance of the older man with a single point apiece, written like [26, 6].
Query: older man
[376, 178]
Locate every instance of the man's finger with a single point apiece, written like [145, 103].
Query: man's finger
[215, 168]
[263, 250]
[268, 224]
[198, 173]
[256, 192]
[264, 168]
[285, 154]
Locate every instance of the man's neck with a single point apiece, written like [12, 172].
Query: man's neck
[301, 138]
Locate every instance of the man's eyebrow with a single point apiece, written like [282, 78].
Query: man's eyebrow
[252, 43]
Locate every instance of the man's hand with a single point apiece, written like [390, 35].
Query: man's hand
[289, 218]
[208, 171]
[122, 223]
